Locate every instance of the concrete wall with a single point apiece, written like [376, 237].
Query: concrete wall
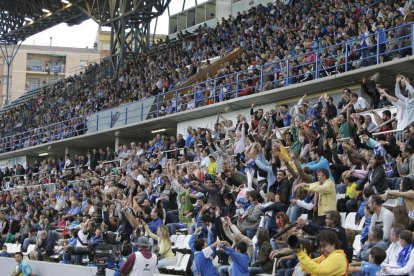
[8, 265]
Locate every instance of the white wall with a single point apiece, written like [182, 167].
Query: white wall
[8, 266]
[244, 5]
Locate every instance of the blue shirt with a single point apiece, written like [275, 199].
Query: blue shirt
[361, 209]
[153, 225]
[202, 263]
[188, 140]
[322, 164]
[7, 254]
[240, 262]
[74, 211]
[286, 122]
[24, 267]
[370, 269]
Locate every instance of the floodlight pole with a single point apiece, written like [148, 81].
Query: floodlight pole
[9, 59]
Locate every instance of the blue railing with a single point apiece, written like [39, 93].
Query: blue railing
[280, 74]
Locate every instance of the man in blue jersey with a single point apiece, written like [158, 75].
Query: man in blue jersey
[22, 267]
[203, 251]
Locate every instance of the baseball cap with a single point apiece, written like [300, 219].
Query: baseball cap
[143, 242]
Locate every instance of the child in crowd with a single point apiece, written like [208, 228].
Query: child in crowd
[239, 256]
[376, 257]
[368, 215]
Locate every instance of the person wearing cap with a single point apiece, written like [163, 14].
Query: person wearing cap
[142, 262]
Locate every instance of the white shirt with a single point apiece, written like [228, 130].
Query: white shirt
[401, 114]
[407, 269]
[392, 254]
[361, 103]
[83, 237]
[385, 220]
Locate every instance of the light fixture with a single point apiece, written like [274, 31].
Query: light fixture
[159, 130]
[65, 1]
[45, 10]
[44, 154]
[28, 19]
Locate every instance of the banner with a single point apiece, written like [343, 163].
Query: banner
[37, 68]
[13, 162]
[115, 117]
[55, 69]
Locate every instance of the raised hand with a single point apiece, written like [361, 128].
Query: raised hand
[209, 227]
[198, 230]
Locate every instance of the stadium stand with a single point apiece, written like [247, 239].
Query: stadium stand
[250, 188]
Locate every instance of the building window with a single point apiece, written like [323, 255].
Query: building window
[5, 79]
[84, 63]
[1, 60]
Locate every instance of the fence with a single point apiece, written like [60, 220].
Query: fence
[279, 74]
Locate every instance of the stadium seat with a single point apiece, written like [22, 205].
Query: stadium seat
[173, 238]
[19, 248]
[183, 264]
[304, 216]
[357, 244]
[13, 248]
[360, 226]
[339, 196]
[391, 203]
[30, 248]
[178, 258]
[185, 246]
[343, 217]
[183, 230]
[350, 221]
[180, 266]
[179, 242]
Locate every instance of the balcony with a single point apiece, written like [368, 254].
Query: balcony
[38, 69]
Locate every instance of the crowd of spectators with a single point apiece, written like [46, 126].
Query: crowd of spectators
[268, 34]
[247, 184]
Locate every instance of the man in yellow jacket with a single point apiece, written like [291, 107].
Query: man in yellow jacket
[325, 196]
[333, 261]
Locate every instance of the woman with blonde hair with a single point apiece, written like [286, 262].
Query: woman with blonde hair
[165, 253]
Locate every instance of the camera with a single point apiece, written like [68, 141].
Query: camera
[309, 243]
[107, 251]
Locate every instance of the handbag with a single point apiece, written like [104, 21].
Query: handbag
[161, 256]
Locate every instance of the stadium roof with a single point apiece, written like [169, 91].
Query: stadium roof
[20, 19]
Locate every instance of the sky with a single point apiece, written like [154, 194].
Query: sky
[84, 35]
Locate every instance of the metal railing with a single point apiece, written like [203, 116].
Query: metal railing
[283, 73]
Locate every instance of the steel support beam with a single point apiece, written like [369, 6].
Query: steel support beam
[9, 55]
